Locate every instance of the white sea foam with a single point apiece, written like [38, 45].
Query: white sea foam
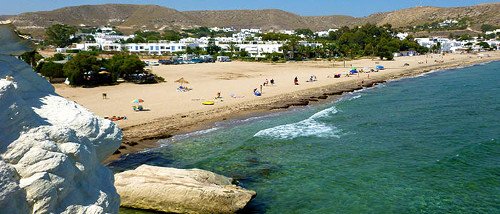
[309, 127]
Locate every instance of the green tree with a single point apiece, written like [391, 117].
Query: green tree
[60, 35]
[290, 48]
[487, 27]
[436, 48]
[123, 64]
[213, 49]
[76, 68]
[31, 58]
[369, 50]
[305, 31]
[171, 35]
[484, 45]
[52, 70]
[243, 54]
[56, 57]
[464, 37]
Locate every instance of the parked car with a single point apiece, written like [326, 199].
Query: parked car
[223, 59]
[141, 78]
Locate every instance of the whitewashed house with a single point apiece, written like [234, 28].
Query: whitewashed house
[261, 49]
[155, 48]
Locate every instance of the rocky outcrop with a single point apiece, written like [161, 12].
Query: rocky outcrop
[50, 148]
[180, 190]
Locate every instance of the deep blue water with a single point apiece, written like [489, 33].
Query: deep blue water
[429, 144]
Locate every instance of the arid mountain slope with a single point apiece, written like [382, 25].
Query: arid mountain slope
[152, 17]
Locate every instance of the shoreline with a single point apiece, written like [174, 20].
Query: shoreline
[146, 135]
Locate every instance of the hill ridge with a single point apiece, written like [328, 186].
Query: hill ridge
[131, 17]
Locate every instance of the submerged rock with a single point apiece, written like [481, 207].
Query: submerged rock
[180, 190]
[50, 148]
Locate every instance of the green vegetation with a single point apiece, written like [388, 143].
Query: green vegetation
[488, 27]
[367, 40]
[306, 32]
[484, 45]
[122, 64]
[60, 35]
[171, 35]
[86, 69]
[278, 37]
[78, 68]
[52, 70]
[31, 58]
[145, 36]
[458, 24]
[205, 32]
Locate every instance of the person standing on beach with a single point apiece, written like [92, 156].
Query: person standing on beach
[296, 81]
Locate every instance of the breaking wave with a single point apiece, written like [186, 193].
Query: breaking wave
[310, 127]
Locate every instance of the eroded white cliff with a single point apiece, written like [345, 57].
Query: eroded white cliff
[50, 148]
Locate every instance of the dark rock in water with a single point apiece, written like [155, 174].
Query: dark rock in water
[333, 93]
[300, 103]
[130, 143]
[265, 172]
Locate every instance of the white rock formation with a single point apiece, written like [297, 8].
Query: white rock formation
[50, 148]
[180, 190]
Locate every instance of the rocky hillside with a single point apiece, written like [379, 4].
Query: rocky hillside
[132, 17]
[479, 14]
[265, 19]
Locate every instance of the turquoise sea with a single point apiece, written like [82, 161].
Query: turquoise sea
[428, 144]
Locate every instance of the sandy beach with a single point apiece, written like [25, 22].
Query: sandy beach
[170, 112]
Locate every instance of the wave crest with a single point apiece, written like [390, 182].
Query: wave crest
[310, 127]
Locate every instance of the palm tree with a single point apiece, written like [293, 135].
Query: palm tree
[289, 48]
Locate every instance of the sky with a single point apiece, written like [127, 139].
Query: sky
[356, 8]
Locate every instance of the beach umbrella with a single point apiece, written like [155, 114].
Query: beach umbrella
[182, 81]
[138, 101]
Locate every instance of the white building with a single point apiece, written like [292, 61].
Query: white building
[325, 33]
[402, 36]
[288, 32]
[261, 49]
[103, 38]
[224, 29]
[87, 46]
[492, 32]
[155, 48]
[251, 31]
[448, 22]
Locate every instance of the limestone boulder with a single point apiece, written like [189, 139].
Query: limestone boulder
[50, 148]
[180, 190]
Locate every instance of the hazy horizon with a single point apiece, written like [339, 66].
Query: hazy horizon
[300, 7]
